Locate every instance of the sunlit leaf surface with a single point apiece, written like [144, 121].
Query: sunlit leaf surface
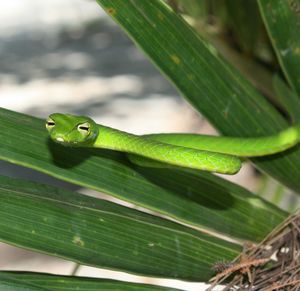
[200, 199]
[99, 233]
[37, 281]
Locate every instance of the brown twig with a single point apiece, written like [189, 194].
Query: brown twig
[242, 267]
[277, 286]
[262, 272]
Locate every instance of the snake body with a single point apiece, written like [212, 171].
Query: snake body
[202, 152]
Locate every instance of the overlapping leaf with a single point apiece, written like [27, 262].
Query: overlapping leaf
[199, 199]
[214, 88]
[103, 234]
[282, 19]
[36, 281]
[288, 99]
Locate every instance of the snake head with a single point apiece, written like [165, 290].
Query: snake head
[71, 130]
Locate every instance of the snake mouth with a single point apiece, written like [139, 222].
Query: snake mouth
[64, 142]
[59, 139]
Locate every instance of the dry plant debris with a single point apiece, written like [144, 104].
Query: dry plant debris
[273, 264]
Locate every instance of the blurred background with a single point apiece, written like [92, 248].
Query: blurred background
[68, 56]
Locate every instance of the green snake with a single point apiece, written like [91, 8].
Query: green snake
[202, 152]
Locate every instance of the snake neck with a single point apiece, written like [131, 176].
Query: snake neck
[114, 139]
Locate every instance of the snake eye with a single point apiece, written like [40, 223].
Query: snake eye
[50, 123]
[84, 128]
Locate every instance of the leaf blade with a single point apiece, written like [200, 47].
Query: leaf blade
[102, 234]
[283, 25]
[211, 85]
[66, 283]
[288, 99]
[198, 199]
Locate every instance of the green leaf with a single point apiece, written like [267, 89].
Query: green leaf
[244, 20]
[282, 19]
[196, 198]
[288, 99]
[11, 283]
[217, 90]
[196, 9]
[99, 233]
[67, 283]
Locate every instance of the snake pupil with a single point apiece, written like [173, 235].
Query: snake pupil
[84, 128]
[50, 123]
